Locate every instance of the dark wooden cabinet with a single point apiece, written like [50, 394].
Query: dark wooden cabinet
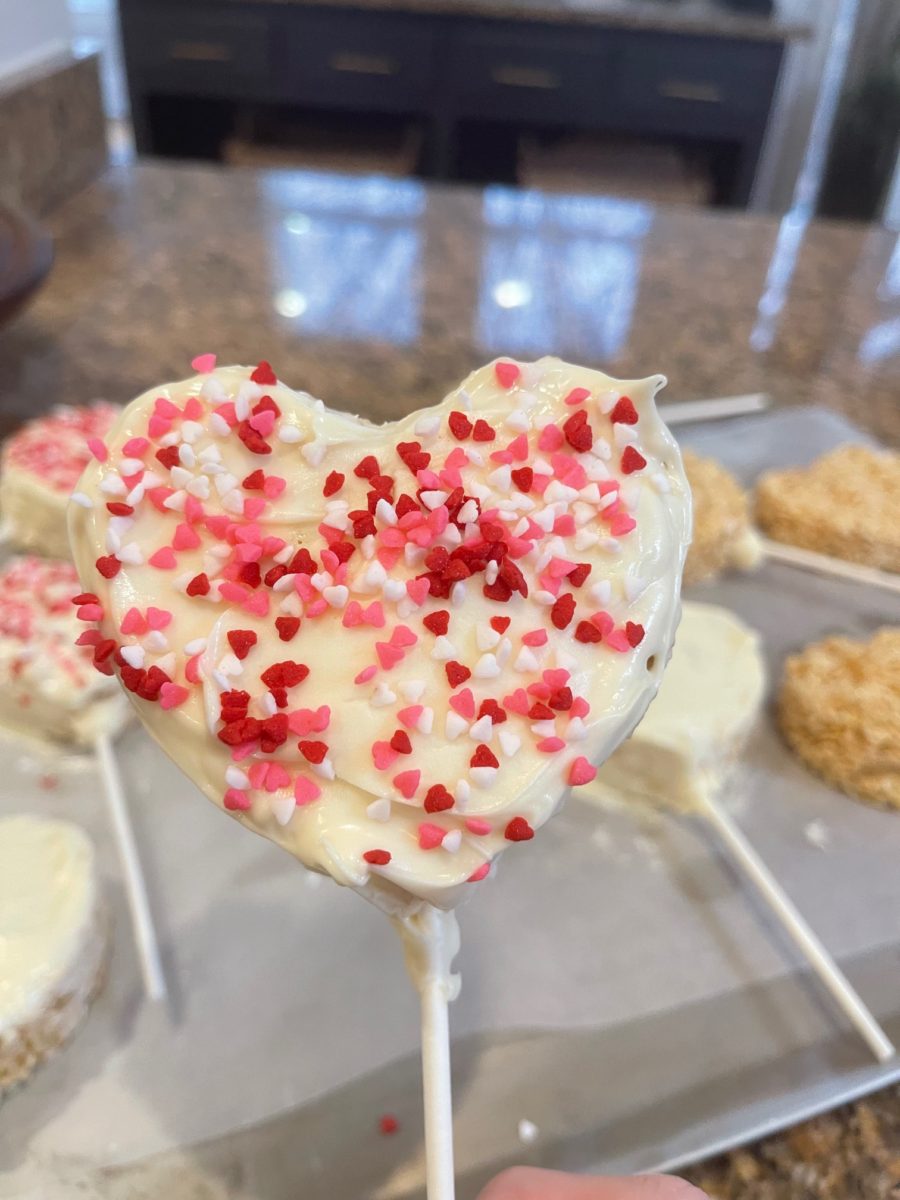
[447, 69]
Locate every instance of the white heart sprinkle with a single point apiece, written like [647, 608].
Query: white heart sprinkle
[482, 730]
[314, 452]
[575, 730]
[600, 592]
[176, 501]
[425, 723]
[443, 649]
[433, 499]
[384, 511]
[412, 689]
[487, 667]
[393, 590]
[483, 777]
[289, 434]
[133, 655]
[380, 809]
[452, 841]
[197, 646]
[235, 777]
[525, 661]
[462, 793]
[454, 725]
[82, 500]
[337, 596]
[486, 637]
[382, 696]
[510, 743]
[156, 641]
[283, 808]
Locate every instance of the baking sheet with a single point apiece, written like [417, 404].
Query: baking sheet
[621, 987]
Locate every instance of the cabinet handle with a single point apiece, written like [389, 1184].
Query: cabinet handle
[200, 52]
[362, 64]
[699, 93]
[526, 77]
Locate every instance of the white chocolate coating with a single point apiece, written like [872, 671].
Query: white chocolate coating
[635, 577]
[48, 687]
[40, 466]
[49, 939]
[706, 708]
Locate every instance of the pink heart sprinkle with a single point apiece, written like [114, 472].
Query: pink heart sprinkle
[621, 524]
[407, 783]
[192, 669]
[374, 615]
[551, 745]
[135, 447]
[133, 622]
[353, 615]
[409, 716]
[258, 604]
[502, 456]
[204, 363]
[236, 801]
[98, 449]
[305, 791]
[90, 637]
[580, 707]
[535, 637]
[193, 409]
[366, 674]
[463, 702]
[403, 636]
[172, 694]
[618, 641]
[163, 559]
[543, 691]
[518, 447]
[89, 612]
[383, 755]
[388, 655]
[274, 486]
[478, 825]
[158, 426]
[263, 422]
[603, 621]
[581, 772]
[422, 535]
[257, 774]
[456, 458]
[227, 413]
[556, 677]
[158, 618]
[551, 438]
[517, 702]
[186, 538]
[254, 506]
[430, 836]
[277, 777]
[564, 526]
[479, 873]
[165, 408]
[249, 553]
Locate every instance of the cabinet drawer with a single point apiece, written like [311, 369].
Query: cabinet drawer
[370, 60]
[691, 83]
[223, 54]
[535, 77]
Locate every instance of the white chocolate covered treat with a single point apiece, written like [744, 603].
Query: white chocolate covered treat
[48, 687]
[695, 729]
[39, 468]
[390, 649]
[52, 939]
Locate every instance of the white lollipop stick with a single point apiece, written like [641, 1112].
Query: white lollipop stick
[714, 409]
[824, 564]
[795, 925]
[135, 885]
[430, 942]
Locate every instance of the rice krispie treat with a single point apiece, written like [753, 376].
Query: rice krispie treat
[52, 939]
[839, 709]
[723, 536]
[846, 504]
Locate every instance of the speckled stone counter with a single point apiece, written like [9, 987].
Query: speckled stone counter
[380, 295]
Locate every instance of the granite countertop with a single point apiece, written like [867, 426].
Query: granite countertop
[380, 295]
[700, 17]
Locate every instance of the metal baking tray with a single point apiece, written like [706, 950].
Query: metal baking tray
[622, 989]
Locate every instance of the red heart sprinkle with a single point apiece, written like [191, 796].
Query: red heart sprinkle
[500, 624]
[460, 425]
[634, 632]
[632, 460]
[578, 431]
[456, 673]
[199, 585]
[523, 478]
[254, 481]
[108, 565]
[484, 757]
[287, 627]
[241, 641]
[437, 622]
[518, 830]
[490, 708]
[400, 742]
[313, 752]
[168, 456]
[483, 432]
[367, 467]
[378, 858]
[437, 799]
[264, 374]
[563, 610]
[333, 483]
[587, 632]
[624, 412]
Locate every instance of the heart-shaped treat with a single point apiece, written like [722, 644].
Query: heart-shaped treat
[391, 649]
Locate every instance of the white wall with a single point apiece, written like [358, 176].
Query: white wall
[31, 31]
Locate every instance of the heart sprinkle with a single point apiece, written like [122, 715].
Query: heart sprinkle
[437, 582]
